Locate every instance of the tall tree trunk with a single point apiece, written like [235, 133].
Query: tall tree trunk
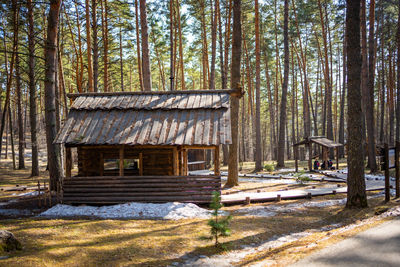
[382, 91]
[204, 45]
[213, 43]
[104, 25]
[356, 195]
[282, 119]
[53, 150]
[32, 90]
[398, 79]
[171, 37]
[95, 47]
[328, 89]
[258, 155]
[343, 99]
[11, 129]
[222, 60]
[390, 95]
[139, 64]
[21, 138]
[370, 118]
[121, 62]
[10, 71]
[235, 83]
[182, 67]
[145, 47]
[89, 47]
[364, 65]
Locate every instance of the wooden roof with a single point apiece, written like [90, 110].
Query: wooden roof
[169, 118]
[320, 140]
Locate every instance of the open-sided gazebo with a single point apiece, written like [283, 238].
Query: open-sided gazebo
[133, 146]
[322, 141]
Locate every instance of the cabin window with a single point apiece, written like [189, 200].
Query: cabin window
[131, 166]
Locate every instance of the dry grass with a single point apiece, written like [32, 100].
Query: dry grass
[95, 242]
[84, 242]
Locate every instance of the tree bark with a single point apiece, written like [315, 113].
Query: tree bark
[145, 47]
[343, 98]
[89, 47]
[121, 62]
[328, 89]
[139, 64]
[398, 79]
[95, 47]
[182, 67]
[10, 70]
[53, 150]
[32, 90]
[370, 118]
[213, 43]
[356, 194]
[258, 155]
[235, 83]
[282, 120]
[21, 138]
[104, 25]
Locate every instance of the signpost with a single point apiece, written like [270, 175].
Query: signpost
[387, 178]
[397, 166]
[391, 161]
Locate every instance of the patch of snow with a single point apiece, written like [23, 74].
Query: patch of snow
[33, 193]
[132, 210]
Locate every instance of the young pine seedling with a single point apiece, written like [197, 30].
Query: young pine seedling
[219, 226]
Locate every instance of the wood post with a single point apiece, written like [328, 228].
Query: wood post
[175, 161]
[101, 171]
[121, 161]
[296, 165]
[216, 161]
[337, 158]
[68, 162]
[141, 164]
[309, 157]
[397, 163]
[185, 162]
[387, 178]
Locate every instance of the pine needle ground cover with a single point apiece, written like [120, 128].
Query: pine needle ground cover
[95, 242]
[87, 242]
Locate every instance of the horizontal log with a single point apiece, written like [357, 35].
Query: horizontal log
[111, 202]
[126, 199]
[146, 176]
[134, 194]
[144, 186]
[201, 180]
[124, 189]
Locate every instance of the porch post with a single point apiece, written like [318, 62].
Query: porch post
[121, 161]
[337, 158]
[141, 164]
[101, 164]
[217, 171]
[185, 162]
[175, 161]
[296, 166]
[68, 162]
[309, 157]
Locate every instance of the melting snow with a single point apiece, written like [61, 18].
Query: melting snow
[133, 210]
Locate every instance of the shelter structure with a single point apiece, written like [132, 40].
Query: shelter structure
[322, 141]
[133, 146]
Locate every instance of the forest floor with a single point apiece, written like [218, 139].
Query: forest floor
[265, 234]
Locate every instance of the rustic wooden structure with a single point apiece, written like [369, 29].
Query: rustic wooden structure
[322, 141]
[133, 146]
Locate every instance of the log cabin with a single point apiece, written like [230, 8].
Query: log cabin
[133, 146]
